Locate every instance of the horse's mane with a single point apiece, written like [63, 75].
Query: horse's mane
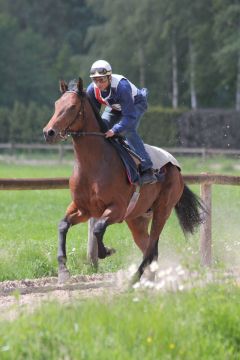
[97, 114]
[72, 86]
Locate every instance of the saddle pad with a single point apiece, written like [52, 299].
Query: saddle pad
[160, 157]
[127, 159]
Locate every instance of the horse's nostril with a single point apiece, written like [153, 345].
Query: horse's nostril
[51, 132]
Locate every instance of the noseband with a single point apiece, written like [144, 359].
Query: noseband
[68, 133]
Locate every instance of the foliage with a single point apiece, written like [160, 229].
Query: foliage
[228, 41]
[159, 127]
[209, 128]
[39, 44]
[165, 127]
[42, 42]
[4, 124]
[23, 123]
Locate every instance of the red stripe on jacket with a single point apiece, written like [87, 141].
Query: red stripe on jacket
[98, 96]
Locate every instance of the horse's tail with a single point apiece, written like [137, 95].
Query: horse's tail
[190, 211]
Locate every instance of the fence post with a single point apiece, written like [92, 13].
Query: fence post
[92, 249]
[206, 227]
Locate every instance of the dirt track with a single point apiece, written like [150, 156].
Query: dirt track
[21, 296]
[26, 295]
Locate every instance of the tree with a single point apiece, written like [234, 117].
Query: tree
[43, 42]
[227, 36]
[4, 124]
[186, 53]
[8, 29]
[124, 37]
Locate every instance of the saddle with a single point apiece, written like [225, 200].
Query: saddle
[131, 160]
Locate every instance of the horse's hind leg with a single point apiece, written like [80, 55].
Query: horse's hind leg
[162, 208]
[72, 217]
[151, 252]
[139, 230]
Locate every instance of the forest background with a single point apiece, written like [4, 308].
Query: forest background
[187, 53]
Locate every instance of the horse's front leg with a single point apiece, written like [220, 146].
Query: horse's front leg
[110, 216]
[73, 216]
[63, 273]
[98, 233]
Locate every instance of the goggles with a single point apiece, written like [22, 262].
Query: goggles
[100, 79]
[99, 72]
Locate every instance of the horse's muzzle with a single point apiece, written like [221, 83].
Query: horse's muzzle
[49, 135]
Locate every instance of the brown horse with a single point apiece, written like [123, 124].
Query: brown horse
[100, 188]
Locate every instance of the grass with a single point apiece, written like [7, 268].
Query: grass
[212, 164]
[19, 170]
[29, 219]
[28, 236]
[198, 324]
[193, 164]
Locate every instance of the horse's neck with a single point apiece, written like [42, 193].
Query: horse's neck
[90, 148]
[90, 122]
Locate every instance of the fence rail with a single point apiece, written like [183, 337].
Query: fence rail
[63, 183]
[63, 147]
[34, 183]
[13, 146]
[205, 180]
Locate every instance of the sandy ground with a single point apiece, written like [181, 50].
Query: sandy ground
[21, 296]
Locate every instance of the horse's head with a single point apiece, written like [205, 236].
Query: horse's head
[67, 114]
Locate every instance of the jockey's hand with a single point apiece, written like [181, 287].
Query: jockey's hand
[109, 133]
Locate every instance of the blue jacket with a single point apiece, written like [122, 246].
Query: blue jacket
[122, 96]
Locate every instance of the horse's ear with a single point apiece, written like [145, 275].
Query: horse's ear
[63, 86]
[80, 85]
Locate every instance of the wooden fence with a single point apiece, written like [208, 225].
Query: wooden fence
[62, 148]
[205, 180]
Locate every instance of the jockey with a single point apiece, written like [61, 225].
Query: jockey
[125, 105]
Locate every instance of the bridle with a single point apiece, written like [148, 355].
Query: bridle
[66, 133]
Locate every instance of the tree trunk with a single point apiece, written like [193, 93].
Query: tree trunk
[174, 74]
[192, 56]
[238, 85]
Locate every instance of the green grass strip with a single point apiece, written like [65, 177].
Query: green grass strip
[195, 325]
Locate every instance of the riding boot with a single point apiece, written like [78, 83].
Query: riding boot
[147, 177]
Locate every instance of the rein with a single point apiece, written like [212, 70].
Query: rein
[83, 133]
[79, 133]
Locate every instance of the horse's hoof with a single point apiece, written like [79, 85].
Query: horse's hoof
[135, 279]
[63, 276]
[106, 252]
[110, 251]
[149, 275]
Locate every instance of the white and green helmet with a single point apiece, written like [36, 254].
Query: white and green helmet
[100, 68]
